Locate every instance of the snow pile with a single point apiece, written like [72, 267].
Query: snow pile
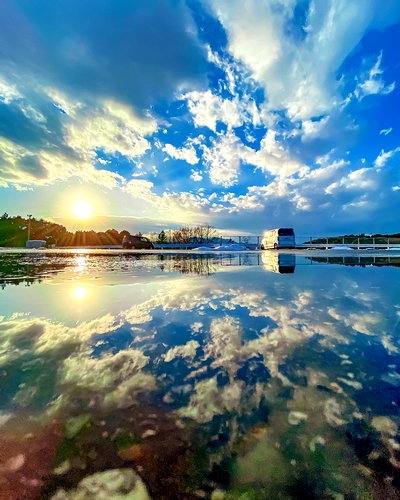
[341, 247]
[234, 247]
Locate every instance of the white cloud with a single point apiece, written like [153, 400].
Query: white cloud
[311, 129]
[8, 92]
[196, 176]
[360, 180]
[223, 159]
[373, 83]
[180, 207]
[114, 129]
[323, 190]
[299, 75]
[383, 157]
[208, 109]
[71, 149]
[385, 131]
[227, 152]
[274, 158]
[188, 154]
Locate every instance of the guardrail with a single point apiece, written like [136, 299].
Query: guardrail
[348, 240]
[254, 242]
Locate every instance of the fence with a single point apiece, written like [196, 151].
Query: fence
[254, 242]
[347, 240]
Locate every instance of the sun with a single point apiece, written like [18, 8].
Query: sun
[82, 209]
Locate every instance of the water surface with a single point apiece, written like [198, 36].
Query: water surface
[232, 375]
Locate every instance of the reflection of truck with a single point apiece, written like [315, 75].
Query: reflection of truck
[36, 244]
[282, 237]
[283, 263]
[136, 241]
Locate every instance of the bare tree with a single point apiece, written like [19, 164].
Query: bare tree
[182, 235]
[204, 234]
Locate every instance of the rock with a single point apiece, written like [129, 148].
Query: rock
[116, 484]
[134, 453]
[62, 468]
[148, 433]
[218, 495]
[75, 425]
[13, 464]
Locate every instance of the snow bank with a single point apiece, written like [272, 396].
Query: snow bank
[234, 247]
[341, 247]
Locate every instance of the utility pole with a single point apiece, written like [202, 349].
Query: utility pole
[29, 226]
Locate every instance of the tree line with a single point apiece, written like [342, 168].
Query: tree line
[201, 234]
[354, 238]
[14, 232]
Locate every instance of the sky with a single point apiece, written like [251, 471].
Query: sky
[246, 115]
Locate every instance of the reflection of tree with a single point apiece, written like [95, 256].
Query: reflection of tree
[27, 268]
[359, 261]
[199, 264]
[19, 268]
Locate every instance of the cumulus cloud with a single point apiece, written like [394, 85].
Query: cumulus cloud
[45, 145]
[187, 154]
[208, 109]
[274, 158]
[312, 128]
[223, 159]
[329, 190]
[228, 152]
[196, 175]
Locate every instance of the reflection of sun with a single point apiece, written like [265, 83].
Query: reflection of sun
[82, 209]
[80, 264]
[80, 292]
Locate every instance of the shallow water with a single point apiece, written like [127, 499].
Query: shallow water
[232, 375]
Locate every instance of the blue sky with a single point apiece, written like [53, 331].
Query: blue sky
[245, 115]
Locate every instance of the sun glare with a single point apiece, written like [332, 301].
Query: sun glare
[80, 293]
[82, 209]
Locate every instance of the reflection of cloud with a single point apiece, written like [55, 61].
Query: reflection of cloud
[56, 335]
[254, 327]
[119, 377]
[209, 400]
[225, 342]
[185, 351]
